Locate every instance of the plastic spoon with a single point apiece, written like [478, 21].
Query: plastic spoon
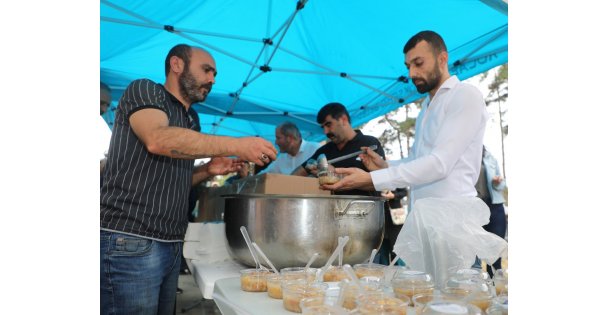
[340, 254]
[248, 241]
[371, 257]
[342, 294]
[353, 277]
[341, 243]
[264, 256]
[312, 259]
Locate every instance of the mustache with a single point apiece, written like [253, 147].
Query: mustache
[329, 135]
[208, 86]
[416, 79]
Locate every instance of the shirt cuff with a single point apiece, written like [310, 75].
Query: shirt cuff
[381, 179]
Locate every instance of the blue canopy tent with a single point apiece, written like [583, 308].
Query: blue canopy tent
[282, 60]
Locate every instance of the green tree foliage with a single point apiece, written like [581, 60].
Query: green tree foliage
[499, 92]
[400, 131]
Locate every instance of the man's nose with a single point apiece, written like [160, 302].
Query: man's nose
[211, 77]
[413, 73]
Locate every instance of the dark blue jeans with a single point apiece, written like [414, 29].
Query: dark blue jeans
[138, 275]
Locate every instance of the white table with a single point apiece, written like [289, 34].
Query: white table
[207, 274]
[240, 302]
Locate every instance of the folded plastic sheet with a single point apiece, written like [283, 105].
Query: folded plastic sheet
[442, 235]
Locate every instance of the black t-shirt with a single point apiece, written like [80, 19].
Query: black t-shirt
[331, 151]
[143, 193]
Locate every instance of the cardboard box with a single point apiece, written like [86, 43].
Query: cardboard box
[211, 204]
[279, 184]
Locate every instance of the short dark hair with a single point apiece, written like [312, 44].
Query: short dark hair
[430, 37]
[334, 109]
[290, 129]
[182, 51]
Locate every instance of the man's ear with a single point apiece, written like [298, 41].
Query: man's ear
[443, 58]
[177, 64]
[343, 119]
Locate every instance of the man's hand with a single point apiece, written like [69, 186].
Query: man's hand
[256, 150]
[216, 166]
[372, 160]
[388, 194]
[496, 180]
[223, 166]
[312, 169]
[354, 178]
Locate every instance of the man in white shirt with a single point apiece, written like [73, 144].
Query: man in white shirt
[106, 100]
[294, 150]
[446, 156]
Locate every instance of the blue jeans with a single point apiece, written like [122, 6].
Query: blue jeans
[138, 275]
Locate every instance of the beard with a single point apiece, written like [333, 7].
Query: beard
[191, 89]
[282, 148]
[429, 83]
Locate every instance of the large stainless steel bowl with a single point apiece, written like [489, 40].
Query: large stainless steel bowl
[291, 228]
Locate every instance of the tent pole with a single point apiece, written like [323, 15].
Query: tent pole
[491, 39]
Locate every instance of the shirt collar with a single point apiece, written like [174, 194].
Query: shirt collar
[359, 134]
[301, 150]
[449, 83]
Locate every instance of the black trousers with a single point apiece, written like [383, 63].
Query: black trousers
[497, 225]
[498, 220]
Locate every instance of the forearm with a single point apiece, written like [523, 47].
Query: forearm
[183, 143]
[420, 171]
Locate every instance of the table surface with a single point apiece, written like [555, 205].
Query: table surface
[252, 303]
[207, 274]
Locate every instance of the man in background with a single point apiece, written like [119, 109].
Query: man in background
[335, 121]
[106, 100]
[294, 150]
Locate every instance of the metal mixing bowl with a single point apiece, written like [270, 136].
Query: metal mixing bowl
[291, 228]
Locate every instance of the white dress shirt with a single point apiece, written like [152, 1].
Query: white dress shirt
[445, 159]
[285, 163]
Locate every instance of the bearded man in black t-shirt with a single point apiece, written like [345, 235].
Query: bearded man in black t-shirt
[335, 121]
